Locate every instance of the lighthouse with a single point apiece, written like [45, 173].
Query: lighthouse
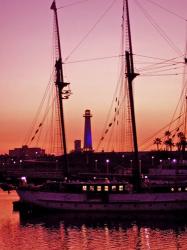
[87, 131]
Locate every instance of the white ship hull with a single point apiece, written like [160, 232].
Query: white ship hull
[115, 202]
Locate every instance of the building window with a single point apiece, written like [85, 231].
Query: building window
[99, 188]
[106, 188]
[121, 188]
[84, 188]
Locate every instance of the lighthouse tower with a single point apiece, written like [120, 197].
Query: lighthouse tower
[87, 131]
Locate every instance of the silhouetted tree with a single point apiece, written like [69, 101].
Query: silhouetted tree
[169, 144]
[178, 145]
[157, 141]
[167, 134]
[182, 141]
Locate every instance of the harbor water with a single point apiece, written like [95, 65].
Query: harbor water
[78, 231]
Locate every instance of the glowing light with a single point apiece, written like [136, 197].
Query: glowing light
[84, 188]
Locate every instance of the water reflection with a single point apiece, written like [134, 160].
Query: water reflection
[160, 221]
[89, 231]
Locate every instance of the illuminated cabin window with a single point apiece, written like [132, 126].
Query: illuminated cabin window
[106, 188]
[99, 188]
[113, 188]
[172, 189]
[91, 188]
[84, 188]
[185, 188]
[121, 188]
[179, 189]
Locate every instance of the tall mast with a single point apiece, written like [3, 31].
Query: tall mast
[130, 76]
[60, 84]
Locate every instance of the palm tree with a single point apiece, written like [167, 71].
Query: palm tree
[182, 140]
[169, 144]
[167, 134]
[157, 141]
[178, 145]
[168, 141]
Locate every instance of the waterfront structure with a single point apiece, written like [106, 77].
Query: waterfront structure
[77, 146]
[87, 131]
[27, 153]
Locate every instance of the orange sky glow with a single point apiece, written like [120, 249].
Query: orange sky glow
[26, 64]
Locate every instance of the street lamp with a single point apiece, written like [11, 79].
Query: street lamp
[140, 166]
[56, 164]
[152, 160]
[96, 164]
[131, 163]
[107, 165]
[174, 160]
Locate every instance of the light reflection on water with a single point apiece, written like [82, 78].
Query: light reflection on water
[88, 231]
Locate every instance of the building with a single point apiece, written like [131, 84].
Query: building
[77, 146]
[27, 153]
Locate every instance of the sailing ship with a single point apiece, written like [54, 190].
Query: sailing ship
[103, 194]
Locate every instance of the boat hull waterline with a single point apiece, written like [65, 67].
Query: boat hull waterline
[115, 202]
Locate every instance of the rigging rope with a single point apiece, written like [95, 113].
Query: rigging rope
[93, 59]
[72, 4]
[169, 11]
[159, 29]
[159, 131]
[158, 63]
[28, 136]
[92, 28]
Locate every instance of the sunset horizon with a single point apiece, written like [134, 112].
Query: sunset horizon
[87, 37]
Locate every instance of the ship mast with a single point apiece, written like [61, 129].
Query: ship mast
[60, 84]
[130, 76]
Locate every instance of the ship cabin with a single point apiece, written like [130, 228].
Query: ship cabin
[103, 186]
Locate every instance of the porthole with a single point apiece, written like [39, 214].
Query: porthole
[84, 188]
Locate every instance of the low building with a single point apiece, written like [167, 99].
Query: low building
[27, 153]
[77, 146]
